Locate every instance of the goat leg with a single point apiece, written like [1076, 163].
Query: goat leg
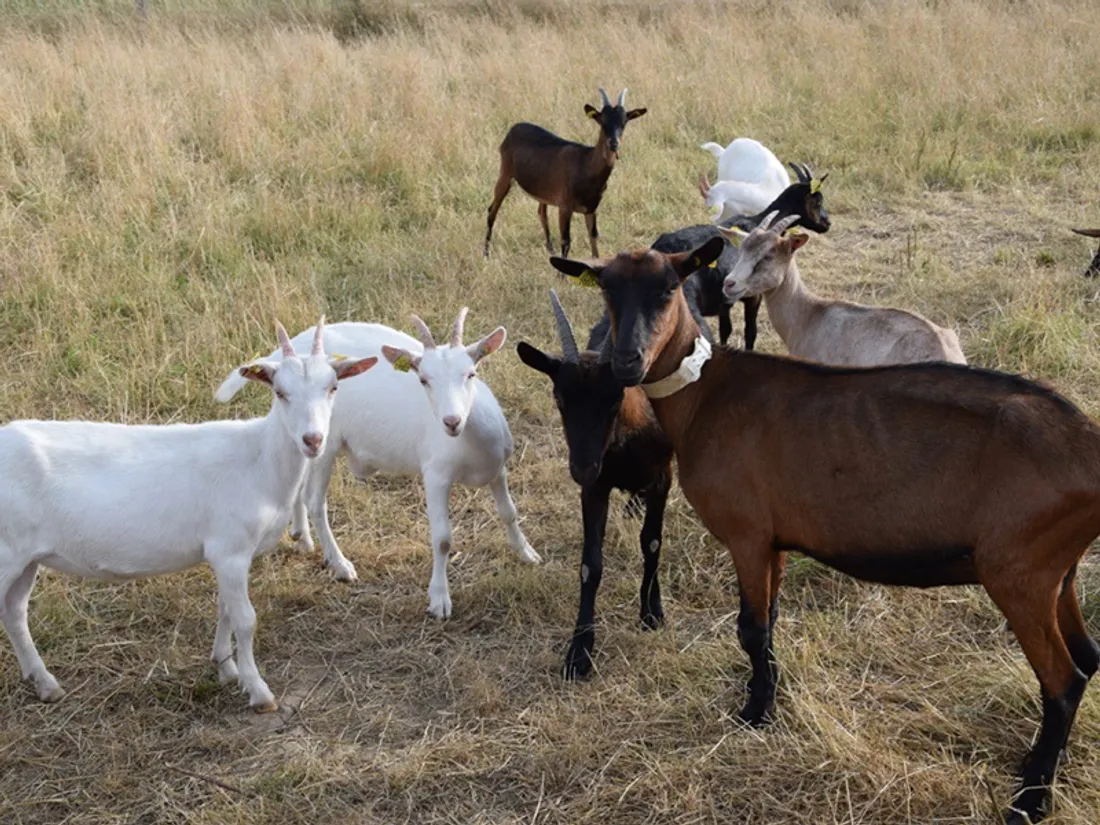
[652, 613]
[752, 310]
[594, 503]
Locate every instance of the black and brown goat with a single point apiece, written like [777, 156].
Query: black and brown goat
[919, 475]
[614, 443]
[1094, 267]
[561, 173]
[704, 290]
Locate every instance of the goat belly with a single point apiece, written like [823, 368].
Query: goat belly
[927, 567]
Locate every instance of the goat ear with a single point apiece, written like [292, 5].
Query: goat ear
[733, 234]
[536, 359]
[487, 345]
[635, 113]
[402, 360]
[688, 262]
[591, 111]
[587, 273]
[262, 371]
[796, 240]
[346, 369]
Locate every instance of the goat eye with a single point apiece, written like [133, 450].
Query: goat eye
[423, 382]
[332, 389]
[280, 395]
[470, 375]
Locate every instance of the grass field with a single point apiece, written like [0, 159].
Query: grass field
[170, 188]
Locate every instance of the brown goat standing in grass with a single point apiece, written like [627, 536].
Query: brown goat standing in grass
[919, 475]
[561, 173]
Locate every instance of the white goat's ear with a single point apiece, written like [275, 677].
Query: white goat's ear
[733, 234]
[402, 360]
[346, 369]
[487, 345]
[262, 371]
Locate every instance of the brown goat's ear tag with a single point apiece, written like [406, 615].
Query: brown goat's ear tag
[402, 364]
[695, 263]
[588, 279]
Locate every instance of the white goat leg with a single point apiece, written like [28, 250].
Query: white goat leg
[299, 525]
[222, 653]
[506, 508]
[315, 493]
[231, 572]
[14, 597]
[437, 490]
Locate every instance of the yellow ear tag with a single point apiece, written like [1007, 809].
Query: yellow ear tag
[713, 264]
[337, 357]
[589, 279]
[594, 114]
[402, 364]
[815, 186]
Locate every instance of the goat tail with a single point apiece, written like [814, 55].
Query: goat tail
[714, 149]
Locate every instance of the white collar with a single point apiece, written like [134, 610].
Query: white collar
[687, 373]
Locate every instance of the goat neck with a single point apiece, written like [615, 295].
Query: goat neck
[674, 412]
[601, 160]
[791, 308]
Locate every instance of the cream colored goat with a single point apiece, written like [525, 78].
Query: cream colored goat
[819, 329]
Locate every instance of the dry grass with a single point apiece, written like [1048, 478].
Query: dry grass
[169, 189]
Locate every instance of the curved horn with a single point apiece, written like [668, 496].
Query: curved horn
[704, 185]
[284, 340]
[423, 333]
[785, 224]
[1088, 233]
[569, 350]
[798, 173]
[771, 216]
[606, 101]
[808, 172]
[460, 323]
[318, 338]
[822, 178]
[622, 98]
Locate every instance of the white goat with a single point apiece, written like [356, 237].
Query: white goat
[449, 430]
[111, 501]
[750, 177]
[818, 329]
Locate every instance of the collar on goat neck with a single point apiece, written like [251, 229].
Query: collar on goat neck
[689, 366]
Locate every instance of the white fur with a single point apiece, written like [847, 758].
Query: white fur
[111, 501]
[750, 177]
[387, 422]
[841, 333]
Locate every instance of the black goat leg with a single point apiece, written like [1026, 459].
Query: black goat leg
[578, 659]
[652, 613]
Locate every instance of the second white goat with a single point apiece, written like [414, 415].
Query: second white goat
[449, 430]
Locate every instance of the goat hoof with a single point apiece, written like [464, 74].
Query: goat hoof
[755, 714]
[266, 706]
[529, 555]
[342, 570]
[441, 609]
[578, 660]
[55, 694]
[653, 620]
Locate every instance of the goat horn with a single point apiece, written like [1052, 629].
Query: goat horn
[771, 216]
[622, 98]
[785, 224]
[423, 333]
[798, 173]
[704, 185]
[565, 331]
[318, 338]
[284, 340]
[809, 172]
[606, 101]
[460, 323]
[1088, 233]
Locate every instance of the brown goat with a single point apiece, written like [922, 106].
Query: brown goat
[919, 475]
[561, 173]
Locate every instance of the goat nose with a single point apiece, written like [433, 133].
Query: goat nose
[313, 441]
[452, 422]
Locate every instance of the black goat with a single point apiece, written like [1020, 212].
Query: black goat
[1094, 267]
[704, 289]
[614, 443]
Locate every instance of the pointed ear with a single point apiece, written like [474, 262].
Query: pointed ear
[687, 262]
[587, 273]
[733, 234]
[796, 240]
[635, 113]
[402, 360]
[591, 111]
[536, 359]
[346, 368]
[487, 345]
[262, 371]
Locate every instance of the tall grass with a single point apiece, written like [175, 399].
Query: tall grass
[170, 187]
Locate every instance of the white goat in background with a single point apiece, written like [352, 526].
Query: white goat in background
[111, 501]
[835, 332]
[449, 429]
[750, 177]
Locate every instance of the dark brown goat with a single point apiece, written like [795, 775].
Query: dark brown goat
[919, 475]
[561, 173]
[614, 443]
[1094, 267]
